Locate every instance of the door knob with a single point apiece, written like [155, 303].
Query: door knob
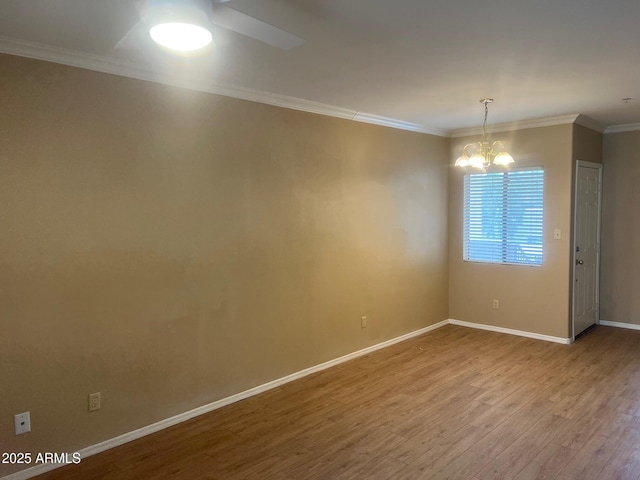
[579, 262]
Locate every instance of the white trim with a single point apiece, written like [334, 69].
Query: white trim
[124, 68]
[589, 123]
[578, 119]
[629, 326]
[627, 127]
[169, 422]
[399, 124]
[507, 127]
[182, 417]
[509, 331]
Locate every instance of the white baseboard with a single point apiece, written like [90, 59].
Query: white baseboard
[520, 333]
[630, 326]
[169, 422]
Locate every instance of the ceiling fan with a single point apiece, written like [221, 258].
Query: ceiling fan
[202, 15]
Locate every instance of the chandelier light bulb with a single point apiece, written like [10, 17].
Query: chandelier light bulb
[477, 161]
[504, 159]
[462, 161]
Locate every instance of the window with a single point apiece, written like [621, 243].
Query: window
[503, 217]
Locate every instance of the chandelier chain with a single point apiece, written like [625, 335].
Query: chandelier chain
[484, 124]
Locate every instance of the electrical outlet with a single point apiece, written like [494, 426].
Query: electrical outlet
[22, 422]
[94, 401]
[496, 304]
[363, 322]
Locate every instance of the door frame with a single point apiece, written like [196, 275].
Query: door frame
[598, 166]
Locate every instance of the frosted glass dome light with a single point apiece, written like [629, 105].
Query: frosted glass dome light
[181, 37]
[182, 26]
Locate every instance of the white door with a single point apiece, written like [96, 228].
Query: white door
[586, 257]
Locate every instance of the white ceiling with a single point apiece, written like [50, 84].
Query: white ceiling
[416, 64]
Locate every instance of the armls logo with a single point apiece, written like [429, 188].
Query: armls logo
[59, 458]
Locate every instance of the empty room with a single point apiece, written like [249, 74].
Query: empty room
[319, 239]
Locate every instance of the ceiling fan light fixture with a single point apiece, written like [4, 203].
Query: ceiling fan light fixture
[180, 25]
[181, 37]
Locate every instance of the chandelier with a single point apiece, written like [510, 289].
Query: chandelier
[481, 155]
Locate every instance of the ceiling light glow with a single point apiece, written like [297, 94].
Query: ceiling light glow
[181, 37]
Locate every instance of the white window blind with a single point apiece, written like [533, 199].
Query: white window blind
[503, 215]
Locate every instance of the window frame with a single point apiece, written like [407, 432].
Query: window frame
[504, 224]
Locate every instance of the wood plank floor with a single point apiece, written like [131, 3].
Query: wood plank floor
[455, 403]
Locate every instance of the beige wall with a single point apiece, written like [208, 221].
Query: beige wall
[532, 299]
[620, 251]
[170, 248]
[587, 145]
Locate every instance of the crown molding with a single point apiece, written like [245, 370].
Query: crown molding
[627, 127]
[519, 125]
[578, 119]
[389, 122]
[590, 123]
[124, 68]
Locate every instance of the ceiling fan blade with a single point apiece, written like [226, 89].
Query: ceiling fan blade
[222, 16]
[236, 21]
[138, 35]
